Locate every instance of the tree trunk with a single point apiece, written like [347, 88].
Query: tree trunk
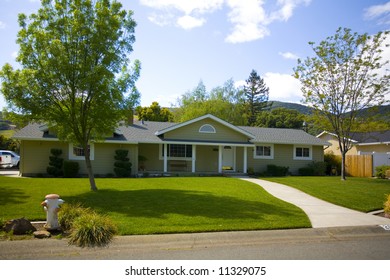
[343, 177]
[89, 169]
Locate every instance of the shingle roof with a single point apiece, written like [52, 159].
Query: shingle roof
[283, 136]
[145, 132]
[371, 137]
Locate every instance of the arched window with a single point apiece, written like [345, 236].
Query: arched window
[207, 128]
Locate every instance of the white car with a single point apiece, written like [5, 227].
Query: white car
[9, 159]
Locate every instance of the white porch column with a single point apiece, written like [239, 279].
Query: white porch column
[193, 158]
[245, 160]
[220, 151]
[165, 158]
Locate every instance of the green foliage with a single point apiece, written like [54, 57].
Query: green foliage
[8, 144]
[71, 169]
[75, 72]
[122, 164]
[280, 118]
[380, 171]
[342, 79]
[277, 171]
[313, 169]
[386, 205]
[225, 102]
[154, 113]
[256, 97]
[55, 163]
[92, 229]
[69, 213]
[333, 164]
[86, 227]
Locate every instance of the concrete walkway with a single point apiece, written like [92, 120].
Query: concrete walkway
[321, 213]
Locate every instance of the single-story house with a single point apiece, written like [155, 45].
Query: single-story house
[205, 144]
[376, 143]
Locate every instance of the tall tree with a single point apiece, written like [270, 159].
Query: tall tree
[75, 71]
[154, 113]
[225, 102]
[280, 118]
[256, 95]
[342, 79]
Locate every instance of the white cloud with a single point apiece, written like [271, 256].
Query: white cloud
[192, 10]
[189, 22]
[250, 18]
[2, 25]
[289, 55]
[283, 87]
[380, 12]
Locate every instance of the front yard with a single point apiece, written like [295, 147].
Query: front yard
[362, 194]
[158, 205]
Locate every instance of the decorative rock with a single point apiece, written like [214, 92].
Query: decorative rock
[41, 234]
[19, 226]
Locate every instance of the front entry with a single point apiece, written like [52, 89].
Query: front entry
[228, 158]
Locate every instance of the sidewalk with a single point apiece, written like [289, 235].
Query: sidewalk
[321, 213]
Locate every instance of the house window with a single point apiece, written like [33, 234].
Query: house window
[264, 151]
[302, 152]
[178, 151]
[207, 128]
[78, 153]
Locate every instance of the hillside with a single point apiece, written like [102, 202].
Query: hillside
[294, 106]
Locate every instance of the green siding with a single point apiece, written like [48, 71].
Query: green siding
[191, 132]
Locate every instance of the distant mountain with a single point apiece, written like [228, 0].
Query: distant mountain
[294, 106]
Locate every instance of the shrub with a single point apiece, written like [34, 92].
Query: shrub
[92, 229]
[332, 162]
[122, 164]
[313, 169]
[69, 212]
[71, 169]
[387, 206]
[277, 171]
[55, 163]
[381, 171]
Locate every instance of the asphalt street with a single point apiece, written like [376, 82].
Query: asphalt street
[338, 243]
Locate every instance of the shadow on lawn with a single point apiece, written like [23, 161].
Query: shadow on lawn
[12, 196]
[156, 203]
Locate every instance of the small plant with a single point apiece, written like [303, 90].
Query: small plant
[387, 206]
[333, 164]
[381, 171]
[122, 164]
[55, 163]
[70, 212]
[71, 169]
[313, 169]
[277, 171]
[92, 229]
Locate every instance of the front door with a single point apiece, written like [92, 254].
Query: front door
[228, 158]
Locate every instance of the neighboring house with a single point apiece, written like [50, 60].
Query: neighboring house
[203, 145]
[376, 143]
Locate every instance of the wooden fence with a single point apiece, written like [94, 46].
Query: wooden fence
[359, 166]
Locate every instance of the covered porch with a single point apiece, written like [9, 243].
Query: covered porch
[207, 158]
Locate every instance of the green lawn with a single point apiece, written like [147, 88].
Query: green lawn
[158, 205]
[362, 194]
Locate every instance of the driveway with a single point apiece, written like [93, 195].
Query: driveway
[322, 214]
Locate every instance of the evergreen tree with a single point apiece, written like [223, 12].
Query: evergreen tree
[256, 97]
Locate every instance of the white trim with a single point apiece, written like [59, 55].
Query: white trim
[209, 126]
[74, 157]
[271, 156]
[165, 145]
[310, 157]
[235, 128]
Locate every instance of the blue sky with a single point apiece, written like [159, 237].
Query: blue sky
[180, 42]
